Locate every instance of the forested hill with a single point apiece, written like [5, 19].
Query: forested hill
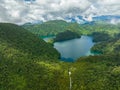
[57, 26]
[14, 39]
[25, 64]
[47, 28]
[66, 35]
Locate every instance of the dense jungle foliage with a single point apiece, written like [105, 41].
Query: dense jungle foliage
[66, 35]
[29, 63]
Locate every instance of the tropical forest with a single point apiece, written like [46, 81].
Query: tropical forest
[59, 45]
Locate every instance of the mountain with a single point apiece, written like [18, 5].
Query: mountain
[14, 39]
[110, 46]
[96, 73]
[77, 19]
[34, 22]
[47, 28]
[103, 18]
[28, 63]
[67, 35]
[57, 26]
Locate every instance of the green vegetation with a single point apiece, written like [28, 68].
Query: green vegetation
[28, 63]
[100, 36]
[107, 44]
[56, 26]
[14, 39]
[104, 34]
[47, 28]
[66, 35]
[96, 73]
[108, 47]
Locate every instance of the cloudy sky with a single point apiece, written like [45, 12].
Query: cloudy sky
[21, 11]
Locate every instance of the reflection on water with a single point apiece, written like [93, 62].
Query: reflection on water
[72, 49]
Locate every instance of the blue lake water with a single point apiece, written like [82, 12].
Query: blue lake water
[71, 50]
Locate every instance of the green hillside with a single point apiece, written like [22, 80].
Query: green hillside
[108, 47]
[66, 35]
[14, 39]
[56, 26]
[47, 28]
[96, 73]
[28, 63]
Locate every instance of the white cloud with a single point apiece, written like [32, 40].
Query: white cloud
[115, 21]
[21, 11]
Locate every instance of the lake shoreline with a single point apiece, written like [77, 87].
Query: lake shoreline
[73, 49]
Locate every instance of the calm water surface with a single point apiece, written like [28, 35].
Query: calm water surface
[73, 49]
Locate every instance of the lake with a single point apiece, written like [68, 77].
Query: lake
[71, 50]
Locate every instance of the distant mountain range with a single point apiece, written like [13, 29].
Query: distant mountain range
[86, 20]
[34, 22]
[103, 18]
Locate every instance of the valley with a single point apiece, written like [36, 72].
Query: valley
[59, 44]
[71, 50]
[30, 63]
